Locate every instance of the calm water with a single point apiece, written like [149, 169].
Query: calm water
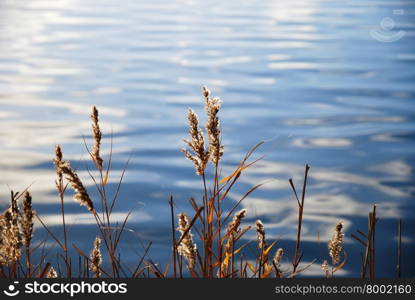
[329, 83]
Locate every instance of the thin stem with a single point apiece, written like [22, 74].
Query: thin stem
[173, 235]
[204, 223]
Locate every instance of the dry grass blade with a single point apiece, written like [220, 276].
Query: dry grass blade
[136, 272]
[45, 271]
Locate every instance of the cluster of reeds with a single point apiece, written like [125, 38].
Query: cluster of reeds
[16, 224]
[209, 243]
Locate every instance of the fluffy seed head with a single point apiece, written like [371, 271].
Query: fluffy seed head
[57, 161]
[10, 236]
[231, 231]
[335, 245]
[325, 267]
[212, 107]
[278, 256]
[52, 273]
[97, 136]
[96, 258]
[260, 230]
[81, 195]
[233, 226]
[186, 248]
[200, 156]
[27, 219]
[205, 92]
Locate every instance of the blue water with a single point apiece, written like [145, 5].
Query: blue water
[324, 82]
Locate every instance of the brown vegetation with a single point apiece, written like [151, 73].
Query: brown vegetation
[208, 244]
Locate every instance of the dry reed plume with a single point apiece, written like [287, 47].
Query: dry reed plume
[11, 239]
[212, 107]
[326, 268]
[27, 219]
[335, 245]
[81, 195]
[232, 234]
[278, 257]
[260, 233]
[52, 273]
[96, 258]
[186, 247]
[97, 136]
[200, 157]
[234, 226]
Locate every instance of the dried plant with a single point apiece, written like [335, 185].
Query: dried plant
[200, 157]
[52, 273]
[58, 161]
[278, 257]
[97, 136]
[233, 226]
[96, 258]
[217, 255]
[335, 245]
[81, 195]
[232, 231]
[326, 268]
[27, 219]
[212, 107]
[260, 233]
[264, 267]
[186, 248]
[276, 261]
[11, 241]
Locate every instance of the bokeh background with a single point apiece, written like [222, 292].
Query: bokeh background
[324, 82]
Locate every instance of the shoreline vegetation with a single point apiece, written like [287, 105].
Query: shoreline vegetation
[207, 244]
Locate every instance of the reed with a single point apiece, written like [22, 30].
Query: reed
[97, 136]
[336, 252]
[27, 222]
[335, 245]
[276, 261]
[186, 247]
[96, 258]
[210, 242]
[52, 273]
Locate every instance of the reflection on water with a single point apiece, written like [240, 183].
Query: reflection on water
[306, 76]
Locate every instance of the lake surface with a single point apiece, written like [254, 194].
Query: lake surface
[328, 83]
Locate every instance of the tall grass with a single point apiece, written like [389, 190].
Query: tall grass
[209, 243]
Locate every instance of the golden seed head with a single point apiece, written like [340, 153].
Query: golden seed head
[58, 153]
[205, 92]
[260, 230]
[335, 245]
[97, 136]
[186, 248]
[10, 235]
[52, 273]
[96, 258]
[278, 256]
[233, 226]
[81, 195]
[200, 156]
[232, 230]
[212, 107]
[326, 268]
[27, 219]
